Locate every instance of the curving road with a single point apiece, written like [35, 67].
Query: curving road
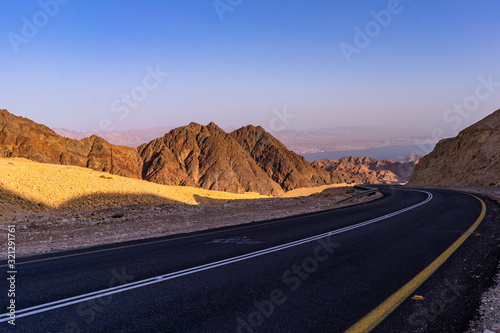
[354, 269]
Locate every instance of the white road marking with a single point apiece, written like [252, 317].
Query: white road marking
[138, 284]
[234, 240]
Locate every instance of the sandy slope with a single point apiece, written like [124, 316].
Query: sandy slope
[27, 185]
[306, 191]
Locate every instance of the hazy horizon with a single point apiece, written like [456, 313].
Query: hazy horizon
[283, 65]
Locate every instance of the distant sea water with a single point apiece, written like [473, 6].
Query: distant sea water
[378, 153]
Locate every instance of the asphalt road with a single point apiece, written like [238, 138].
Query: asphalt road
[320, 272]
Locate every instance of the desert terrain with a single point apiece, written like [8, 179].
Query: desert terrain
[63, 207]
[248, 159]
[65, 194]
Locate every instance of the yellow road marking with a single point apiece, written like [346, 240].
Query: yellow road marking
[190, 236]
[371, 320]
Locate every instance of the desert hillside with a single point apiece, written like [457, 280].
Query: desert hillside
[33, 186]
[471, 158]
[206, 157]
[193, 155]
[22, 137]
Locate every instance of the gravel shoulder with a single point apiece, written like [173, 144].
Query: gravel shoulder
[488, 316]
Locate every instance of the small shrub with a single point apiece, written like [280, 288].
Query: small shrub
[102, 176]
[110, 178]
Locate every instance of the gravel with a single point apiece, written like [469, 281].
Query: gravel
[488, 318]
[56, 230]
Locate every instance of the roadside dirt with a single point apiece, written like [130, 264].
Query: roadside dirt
[49, 231]
[306, 191]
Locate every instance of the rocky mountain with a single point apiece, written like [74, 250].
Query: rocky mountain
[283, 166]
[471, 158]
[246, 160]
[207, 157]
[21, 137]
[366, 170]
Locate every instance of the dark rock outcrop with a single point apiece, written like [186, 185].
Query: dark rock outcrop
[204, 156]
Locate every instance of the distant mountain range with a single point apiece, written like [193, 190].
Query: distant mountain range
[351, 138]
[325, 140]
[404, 153]
[130, 138]
[367, 170]
[247, 159]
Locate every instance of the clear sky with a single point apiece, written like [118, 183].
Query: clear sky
[281, 64]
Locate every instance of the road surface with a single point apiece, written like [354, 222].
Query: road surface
[356, 268]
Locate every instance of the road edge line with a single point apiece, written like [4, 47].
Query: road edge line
[377, 315]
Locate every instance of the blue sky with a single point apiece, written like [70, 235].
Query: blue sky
[76, 69]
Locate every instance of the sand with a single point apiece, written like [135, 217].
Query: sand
[30, 186]
[307, 191]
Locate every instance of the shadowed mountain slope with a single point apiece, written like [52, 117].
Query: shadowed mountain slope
[283, 166]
